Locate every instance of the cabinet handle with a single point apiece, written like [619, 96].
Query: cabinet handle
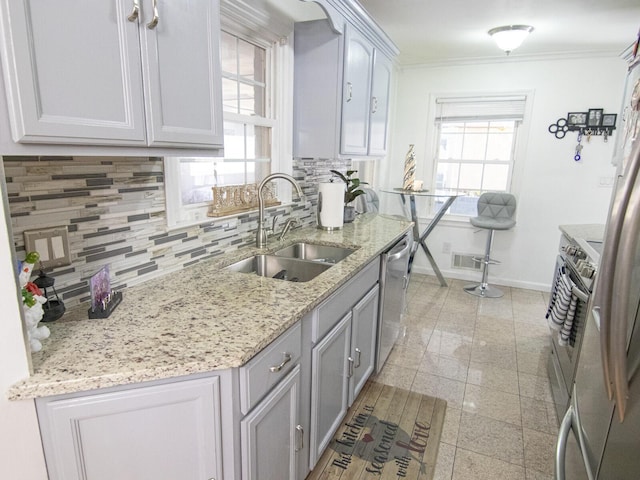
[358, 353]
[154, 21]
[133, 16]
[277, 368]
[300, 431]
[374, 104]
[349, 91]
[350, 360]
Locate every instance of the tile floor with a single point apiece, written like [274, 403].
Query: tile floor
[487, 358]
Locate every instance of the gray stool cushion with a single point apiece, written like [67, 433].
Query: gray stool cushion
[368, 202]
[495, 211]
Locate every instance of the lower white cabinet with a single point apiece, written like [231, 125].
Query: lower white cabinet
[341, 363]
[270, 419]
[163, 432]
[364, 324]
[271, 434]
[329, 386]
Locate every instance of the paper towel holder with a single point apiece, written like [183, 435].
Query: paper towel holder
[337, 220]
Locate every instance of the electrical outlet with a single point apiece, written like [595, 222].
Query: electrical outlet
[446, 247]
[51, 243]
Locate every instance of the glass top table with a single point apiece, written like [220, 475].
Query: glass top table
[421, 237]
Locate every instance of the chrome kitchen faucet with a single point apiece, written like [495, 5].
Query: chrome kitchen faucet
[261, 234]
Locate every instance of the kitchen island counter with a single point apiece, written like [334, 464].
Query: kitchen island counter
[195, 320]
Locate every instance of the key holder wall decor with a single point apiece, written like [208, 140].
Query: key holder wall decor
[591, 123]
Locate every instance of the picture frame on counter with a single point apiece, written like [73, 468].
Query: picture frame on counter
[577, 119]
[594, 117]
[609, 119]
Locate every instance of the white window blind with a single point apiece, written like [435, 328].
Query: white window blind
[461, 109]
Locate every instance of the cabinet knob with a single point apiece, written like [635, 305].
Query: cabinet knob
[133, 16]
[300, 431]
[349, 91]
[277, 368]
[374, 104]
[358, 355]
[351, 362]
[154, 21]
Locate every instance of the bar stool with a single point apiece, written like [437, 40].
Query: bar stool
[368, 202]
[495, 212]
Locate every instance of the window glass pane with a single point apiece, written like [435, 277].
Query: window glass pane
[229, 95]
[251, 100]
[447, 176]
[258, 142]
[470, 176]
[196, 180]
[475, 141]
[234, 140]
[500, 141]
[228, 53]
[495, 177]
[452, 127]
[251, 62]
[235, 173]
[450, 146]
[465, 205]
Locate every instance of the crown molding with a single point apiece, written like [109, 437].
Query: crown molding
[559, 56]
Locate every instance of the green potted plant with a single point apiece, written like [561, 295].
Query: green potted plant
[352, 192]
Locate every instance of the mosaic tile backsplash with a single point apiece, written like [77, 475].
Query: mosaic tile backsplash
[114, 208]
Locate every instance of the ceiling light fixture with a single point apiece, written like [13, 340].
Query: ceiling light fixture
[510, 37]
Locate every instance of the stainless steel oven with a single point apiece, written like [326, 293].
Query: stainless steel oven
[577, 260]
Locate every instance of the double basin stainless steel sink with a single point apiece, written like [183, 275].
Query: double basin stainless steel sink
[299, 262]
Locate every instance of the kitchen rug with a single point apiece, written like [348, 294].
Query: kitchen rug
[388, 433]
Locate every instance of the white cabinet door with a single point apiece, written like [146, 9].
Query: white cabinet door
[329, 386]
[181, 68]
[161, 432]
[356, 94]
[270, 433]
[88, 72]
[379, 119]
[72, 72]
[363, 341]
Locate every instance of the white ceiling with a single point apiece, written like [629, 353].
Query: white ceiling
[453, 31]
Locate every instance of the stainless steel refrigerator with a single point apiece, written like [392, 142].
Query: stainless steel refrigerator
[599, 436]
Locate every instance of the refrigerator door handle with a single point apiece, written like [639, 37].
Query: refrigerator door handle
[622, 282]
[561, 445]
[571, 421]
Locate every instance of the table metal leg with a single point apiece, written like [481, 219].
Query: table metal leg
[420, 238]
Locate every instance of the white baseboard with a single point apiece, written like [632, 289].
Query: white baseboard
[476, 276]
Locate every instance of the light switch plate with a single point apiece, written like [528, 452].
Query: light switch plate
[51, 243]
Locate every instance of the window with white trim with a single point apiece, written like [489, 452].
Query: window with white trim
[250, 81]
[475, 148]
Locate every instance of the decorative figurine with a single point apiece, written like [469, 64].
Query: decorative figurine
[409, 169]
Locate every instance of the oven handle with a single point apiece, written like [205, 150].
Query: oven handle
[580, 294]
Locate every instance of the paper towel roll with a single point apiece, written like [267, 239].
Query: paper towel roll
[330, 205]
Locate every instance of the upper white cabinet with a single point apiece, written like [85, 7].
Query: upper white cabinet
[356, 92]
[121, 73]
[341, 95]
[379, 115]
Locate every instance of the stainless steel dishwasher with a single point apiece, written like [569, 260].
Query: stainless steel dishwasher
[394, 280]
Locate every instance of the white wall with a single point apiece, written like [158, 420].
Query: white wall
[552, 189]
[21, 454]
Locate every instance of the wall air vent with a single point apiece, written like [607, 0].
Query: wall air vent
[465, 261]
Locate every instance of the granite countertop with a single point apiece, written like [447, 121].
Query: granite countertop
[589, 232]
[195, 320]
